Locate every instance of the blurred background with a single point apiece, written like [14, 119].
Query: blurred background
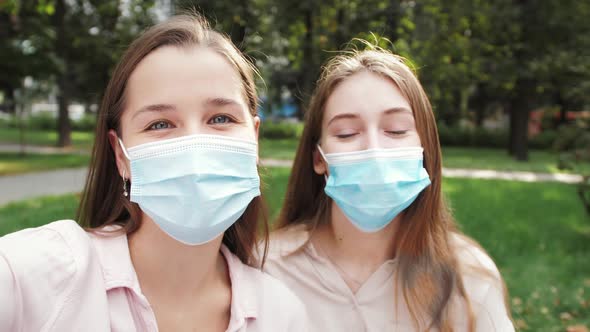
[509, 82]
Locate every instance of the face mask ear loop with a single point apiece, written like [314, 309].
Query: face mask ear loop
[325, 159]
[124, 150]
[322, 153]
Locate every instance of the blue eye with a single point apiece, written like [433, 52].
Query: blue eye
[220, 119]
[159, 125]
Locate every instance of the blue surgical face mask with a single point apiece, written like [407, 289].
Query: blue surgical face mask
[372, 187]
[194, 187]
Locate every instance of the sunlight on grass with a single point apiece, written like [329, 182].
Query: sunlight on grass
[80, 139]
[538, 234]
[14, 163]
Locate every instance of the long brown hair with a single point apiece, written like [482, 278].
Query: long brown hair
[102, 201]
[429, 271]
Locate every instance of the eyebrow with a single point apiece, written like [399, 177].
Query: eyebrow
[344, 116]
[154, 108]
[221, 102]
[158, 108]
[394, 110]
[388, 111]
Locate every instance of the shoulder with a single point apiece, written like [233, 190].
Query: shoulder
[262, 295]
[286, 241]
[60, 244]
[483, 284]
[478, 270]
[472, 257]
[286, 252]
[276, 303]
[39, 265]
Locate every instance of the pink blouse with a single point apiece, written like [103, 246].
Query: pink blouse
[60, 278]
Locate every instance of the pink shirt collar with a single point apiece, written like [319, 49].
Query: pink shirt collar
[118, 271]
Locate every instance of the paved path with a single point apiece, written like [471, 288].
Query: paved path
[65, 181]
[511, 175]
[24, 186]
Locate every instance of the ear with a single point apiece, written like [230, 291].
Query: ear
[319, 164]
[256, 125]
[120, 159]
[257, 130]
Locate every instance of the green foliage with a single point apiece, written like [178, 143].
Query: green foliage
[280, 130]
[42, 121]
[544, 140]
[574, 145]
[45, 121]
[481, 137]
[473, 57]
[86, 123]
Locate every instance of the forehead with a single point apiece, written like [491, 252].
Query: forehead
[366, 93]
[171, 72]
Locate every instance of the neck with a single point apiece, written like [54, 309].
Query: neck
[168, 268]
[345, 243]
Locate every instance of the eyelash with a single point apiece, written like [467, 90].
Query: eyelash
[345, 136]
[397, 132]
[151, 125]
[229, 119]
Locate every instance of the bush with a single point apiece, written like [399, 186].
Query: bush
[86, 123]
[280, 130]
[573, 137]
[544, 140]
[42, 121]
[8, 121]
[479, 137]
[489, 138]
[46, 121]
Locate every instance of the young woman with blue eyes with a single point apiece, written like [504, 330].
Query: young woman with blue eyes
[172, 206]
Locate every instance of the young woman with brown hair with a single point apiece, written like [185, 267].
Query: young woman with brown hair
[172, 205]
[364, 237]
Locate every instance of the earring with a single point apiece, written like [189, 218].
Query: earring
[124, 185]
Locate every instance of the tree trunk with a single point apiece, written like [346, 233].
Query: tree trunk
[521, 127]
[238, 29]
[9, 102]
[306, 72]
[63, 119]
[341, 36]
[511, 128]
[520, 106]
[394, 13]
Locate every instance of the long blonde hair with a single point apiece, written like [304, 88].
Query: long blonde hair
[429, 271]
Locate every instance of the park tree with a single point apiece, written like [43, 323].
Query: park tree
[73, 43]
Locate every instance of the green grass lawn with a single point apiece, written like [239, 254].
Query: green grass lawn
[538, 233]
[453, 157]
[14, 163]
[80, 139]
[483, 158]
[278, 148]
